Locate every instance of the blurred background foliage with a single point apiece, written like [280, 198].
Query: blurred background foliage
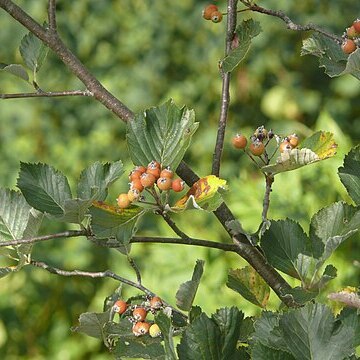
[146, 52]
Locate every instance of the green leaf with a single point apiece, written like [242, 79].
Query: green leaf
[33, 51]
[15, 69]
[186, 294]
[301, 296]
[92, 324]
[44, 188]
[351, 317]
[112, 222]
[229, 321]
[74, 211]
[161, 133]
[96, 179]
[262, 352]
[349, 174]
[194, 312]
[200, 340]
[322, 143]
[248, 283]
[167, 332]
[311, 332]
[282, 243]
[6, 271]
[245, 32]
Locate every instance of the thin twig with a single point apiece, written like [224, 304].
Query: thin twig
[52, 15]
[173, 226]
[46, 94]
[269, 179]
[135, 267]
[225, 93]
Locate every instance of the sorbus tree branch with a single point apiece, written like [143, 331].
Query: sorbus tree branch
[46, 94]
[52, 15]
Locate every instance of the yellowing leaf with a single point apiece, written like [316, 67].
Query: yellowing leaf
[322, 143]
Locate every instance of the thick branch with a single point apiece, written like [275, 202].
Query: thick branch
[46, 94]
[225, 93]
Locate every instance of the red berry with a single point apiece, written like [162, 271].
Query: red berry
[133, 194]
[216, 17]
[356, 25]
[348, 46]
[123, 201]
[164, 183]
[177, 185]
[154, 330]
[257, 148]
[141, 328]
[206, 14]
[155, 302]
[167, 173]
[239, 141]
[136, 184]
[147, 180]
[139, 314]
[120, 306]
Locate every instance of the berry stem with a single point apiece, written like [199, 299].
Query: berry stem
[269, 180]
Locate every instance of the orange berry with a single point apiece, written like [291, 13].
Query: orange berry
[257, 148]
[208, 10]
[147, 180]
[134, 174]
[285, 146]
[154, 164]
[123, 201]
[155, 302]
[351, 32]
[120, 306]
[293, 140]
[164, 183]
[177, 185]
[348, 46]
[141, 328]
[154, 330]
[356, 25]
[133, 194]
[239, 141]
[154, 171]
[216, 17]
[167, 173]
[139, 314]
[136, 184]
[140, 168]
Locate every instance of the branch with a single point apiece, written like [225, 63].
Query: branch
[173, 226]
[46, 94]
[225, 93]
[266, 203]
[99, 274]
[52, 15]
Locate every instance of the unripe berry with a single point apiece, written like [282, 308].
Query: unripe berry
[356, 25]
[136, 185]
[147, 180]
[216, 17]
[207, 12]
[154, 330]
[167, 173]
[139, 314]
[293, 140]
[141, 328]
[177, 185]
[155, 303]
[348, 46]
[285, 146]
[133, 194]
[120, 306]
[164, 183]
[123, 201]
[257, 148]
[239, 141]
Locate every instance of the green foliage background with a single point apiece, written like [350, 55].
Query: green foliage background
[146, 52]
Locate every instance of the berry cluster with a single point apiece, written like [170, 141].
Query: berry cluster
[260, 140]
[142, 177]
[351, 38]
[211, 12]
[137, 314]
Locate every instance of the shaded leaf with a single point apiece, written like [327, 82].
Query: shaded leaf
[200, 340]
[302, 296]
[248, 283]
[17, 70]
[167, 332]
[349, 174]
[194, 312]
[161, 133]
[44, 188]
[74, 211]
[186, 294]
[92, 324]
[33, 51]
[262, 352]
[351, 317]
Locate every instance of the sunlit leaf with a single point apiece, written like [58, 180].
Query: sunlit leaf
[204, 194]
[248, 283]
[15, 69]
[161, 133]
[322, 143]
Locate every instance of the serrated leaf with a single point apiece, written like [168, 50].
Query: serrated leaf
[44, 188]
[33, 52]
[282, 243]
[329, 274]
[74, 211]
[311, 332]
[262, 352]
[17, 70]
[194, 312]
[167, 332]
[229, 321]
[349, 174]
[108, 221]
[351, 317]
[322, 143]
[92, 324]
[187, 291]
[161, 133]
[205, 194]
[96, 179]
[301, 296]
[248, 283]
[200, 341]
[245, 32]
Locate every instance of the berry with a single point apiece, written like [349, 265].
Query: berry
[154, 171]
[257, 148]
[177, 185]
[140, 168]
[207, 12]
[154, 330]
[155, 302]
[120, 306]
[216, 17]
[139, 314]
[154, 164]
[164, 183]
[167, 173]
[141, 328]
[285, 146]
[348, 46]
[147, 180]
[133, 194]
[136, 185]
[123, 201]
[134, 174]
[293, 140]
[351, 32]
[239, 141]
[356, 25]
